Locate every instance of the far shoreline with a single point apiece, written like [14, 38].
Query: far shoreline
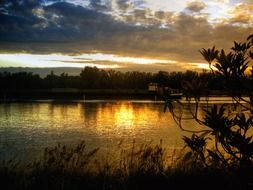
[70, 95]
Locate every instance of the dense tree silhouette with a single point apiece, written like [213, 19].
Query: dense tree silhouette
[94, 78]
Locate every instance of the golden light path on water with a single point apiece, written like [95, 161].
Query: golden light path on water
[27, 128]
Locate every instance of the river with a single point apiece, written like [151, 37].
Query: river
[27, 128]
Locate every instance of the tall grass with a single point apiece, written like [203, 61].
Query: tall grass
[141, 167]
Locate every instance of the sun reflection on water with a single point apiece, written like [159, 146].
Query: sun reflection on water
[30, 127]
[117, 119]
[124, 115]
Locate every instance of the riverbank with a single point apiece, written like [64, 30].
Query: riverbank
[75, 94]
[68, 94]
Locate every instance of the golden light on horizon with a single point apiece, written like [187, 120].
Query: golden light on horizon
[98, 60]
[141, 60]
[49, 60]
[204, 66]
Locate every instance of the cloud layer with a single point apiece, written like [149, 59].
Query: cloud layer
[122, 27]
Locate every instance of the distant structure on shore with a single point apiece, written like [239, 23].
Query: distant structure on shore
[164, 91]
[153, 87]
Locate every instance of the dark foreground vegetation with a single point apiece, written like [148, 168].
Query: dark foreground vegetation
[146, 167]
[219, 156]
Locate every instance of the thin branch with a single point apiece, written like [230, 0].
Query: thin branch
[178, 120]
[238, 102]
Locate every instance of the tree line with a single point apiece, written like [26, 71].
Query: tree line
[94, 78]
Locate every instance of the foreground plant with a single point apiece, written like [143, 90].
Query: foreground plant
[229, 128]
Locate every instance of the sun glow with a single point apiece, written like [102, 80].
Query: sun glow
[204, 66]
[51, 60]
[60, 60]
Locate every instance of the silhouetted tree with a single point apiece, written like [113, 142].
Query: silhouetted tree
[94, 78]
[229, 128]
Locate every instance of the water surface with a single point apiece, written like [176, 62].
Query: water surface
[27, 128]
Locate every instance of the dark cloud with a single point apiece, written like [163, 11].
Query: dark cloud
[99, 5]
[124, 4]
[63, 27]
[16, 19]
[196, 6]
[57, 22]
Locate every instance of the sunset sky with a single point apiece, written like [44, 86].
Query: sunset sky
[140, 35]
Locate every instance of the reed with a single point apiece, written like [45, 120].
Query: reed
[141, 167]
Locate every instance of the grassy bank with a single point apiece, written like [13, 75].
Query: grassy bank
[145, 167]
